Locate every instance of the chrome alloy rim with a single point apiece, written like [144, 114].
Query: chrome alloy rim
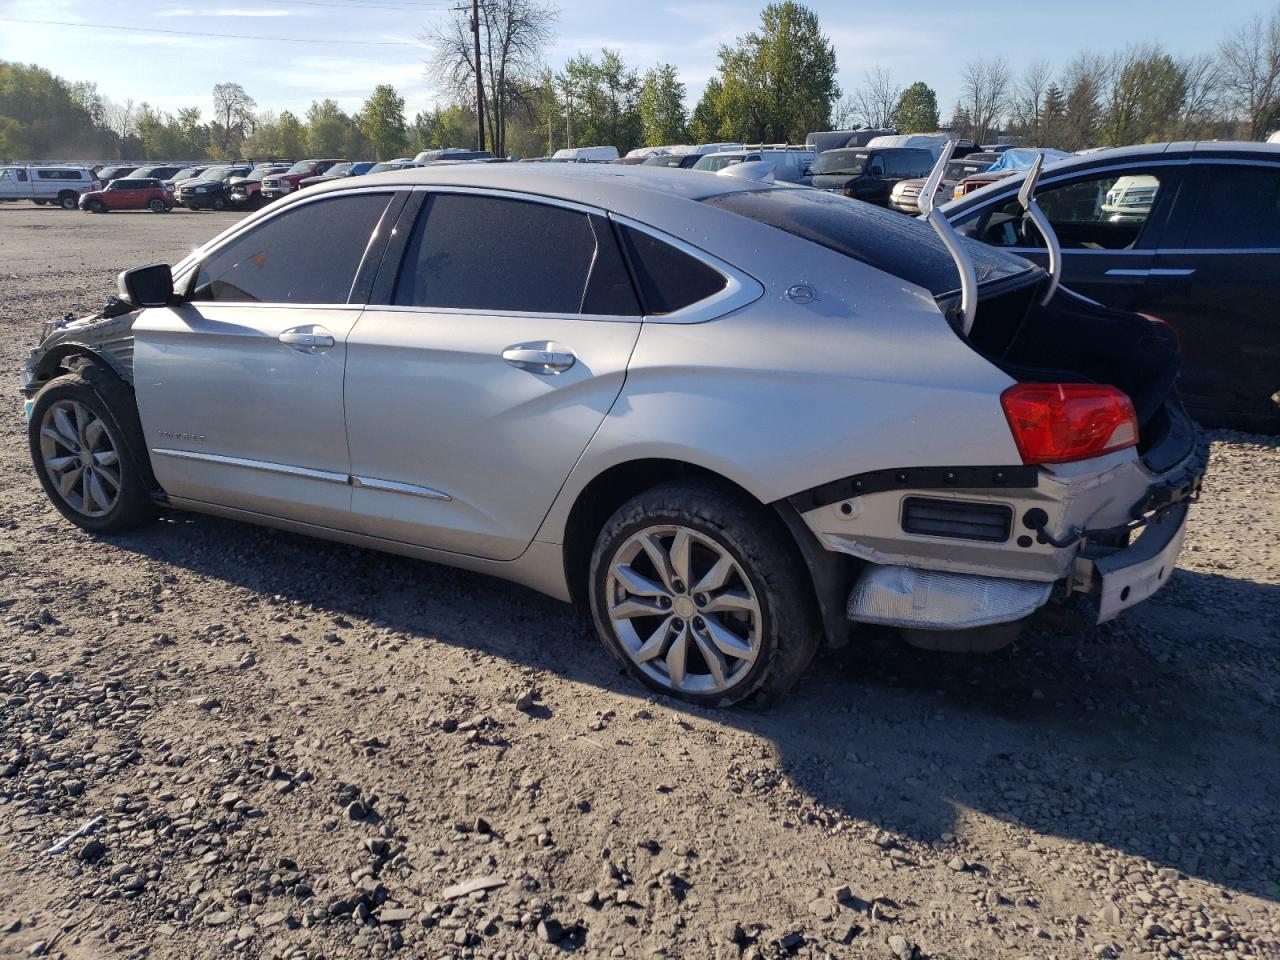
[683, 609]
[80, 458]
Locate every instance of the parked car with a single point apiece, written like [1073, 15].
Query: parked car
[585, 155]
[790, 164]
[349, 169]
[129, 193]
[869, 174]
[614, 422]
[278, 185]
[905, 196]
[185, 174]
[1186, 232]
[160, 172]
[824, 140]
[246, 190]
[676, 161]
[47, 184]
[1008, 162]
[386, 165]
[933, 142]
[106, 174]
[210, 190]
[452, 153]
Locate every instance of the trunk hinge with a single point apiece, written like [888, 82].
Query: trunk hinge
[951, 239]
[1027, 197]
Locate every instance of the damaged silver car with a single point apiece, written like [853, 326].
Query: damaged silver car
[730, 421]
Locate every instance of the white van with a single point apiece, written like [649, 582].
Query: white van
[933, 142]
[586, 155]
[54, 184]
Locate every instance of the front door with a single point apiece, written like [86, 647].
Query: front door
[240, 389]
[1216, 279]
[471, 394]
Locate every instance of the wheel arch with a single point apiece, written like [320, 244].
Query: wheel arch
[58, 358]
[596, 502]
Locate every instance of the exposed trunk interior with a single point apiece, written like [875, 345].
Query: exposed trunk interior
[1072, 340]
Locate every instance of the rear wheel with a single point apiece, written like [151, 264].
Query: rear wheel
[697, 591]
[83, 435]
[68, 200]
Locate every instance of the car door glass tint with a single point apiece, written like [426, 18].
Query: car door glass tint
[669, 279]
[308, 254]
[486, 253]
[1106, 212]
[1238, 209]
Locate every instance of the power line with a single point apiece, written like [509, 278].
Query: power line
[223, 36]
[400, 5]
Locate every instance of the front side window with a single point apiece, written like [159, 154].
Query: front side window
[494, 254]
[1104, 212]
[1237, 208]
[308, 254]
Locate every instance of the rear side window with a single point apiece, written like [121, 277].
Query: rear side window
[669, 279]
[1238, 208]
[491, 254]
[309, 254]
[58, 174]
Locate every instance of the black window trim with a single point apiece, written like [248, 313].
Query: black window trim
[187, 269]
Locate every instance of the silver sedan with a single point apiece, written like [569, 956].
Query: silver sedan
[732, 422]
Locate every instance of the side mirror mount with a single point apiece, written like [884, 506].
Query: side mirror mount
[149, 286]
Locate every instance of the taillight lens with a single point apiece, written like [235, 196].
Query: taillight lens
[1060, 422]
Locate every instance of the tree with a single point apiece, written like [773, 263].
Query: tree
[706, 124]
[327, 129]
[1203, 109]
[1250, 59]
[661, 102]
[778, 83]
[1084, 81]
[603, 100]
[233, 115]
[985, 85]
[876, 100]
[382, 122]
[1027, 102]
[513, 34]
[917, 109]
[1052, 116]
[293, 136]
[1144, 97]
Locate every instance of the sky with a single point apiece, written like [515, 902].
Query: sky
[925, 40]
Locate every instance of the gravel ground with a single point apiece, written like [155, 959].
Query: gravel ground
[290, 748]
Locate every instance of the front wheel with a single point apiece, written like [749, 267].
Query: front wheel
[218, 204]
[156, 206]
[83, 435]
[95, 206]
[699, 593]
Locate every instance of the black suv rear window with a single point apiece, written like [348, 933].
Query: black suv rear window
[880, 238]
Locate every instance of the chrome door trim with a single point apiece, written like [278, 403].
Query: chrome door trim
[263, 466]
[1118, 272]
[1170, 272]
[392, 486]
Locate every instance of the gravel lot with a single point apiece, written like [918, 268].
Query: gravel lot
[298, 749]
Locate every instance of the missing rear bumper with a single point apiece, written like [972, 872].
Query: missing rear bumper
[932, 600]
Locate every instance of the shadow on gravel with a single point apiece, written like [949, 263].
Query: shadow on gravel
[1154, 735]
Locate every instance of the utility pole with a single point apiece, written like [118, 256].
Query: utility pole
[475, 30]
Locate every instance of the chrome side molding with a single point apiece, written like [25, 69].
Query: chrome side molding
[287, 470]
[947, 234]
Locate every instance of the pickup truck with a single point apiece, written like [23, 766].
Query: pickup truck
[278, 185]
[53, 184]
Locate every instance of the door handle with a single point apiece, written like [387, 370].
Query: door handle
[308, 339]
[546, 358]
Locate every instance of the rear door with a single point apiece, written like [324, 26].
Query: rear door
[495, 356]
[1108, 221]
[1216, 278]
[240, 389]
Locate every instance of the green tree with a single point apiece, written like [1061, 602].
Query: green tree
[778, 83]
[233, 117]
[1052, 116]
[382, 122]
[42, 117]
[917, 109]
[662, 115]
[327, 129]
[707, 123]
[603, 101]
[293, 136]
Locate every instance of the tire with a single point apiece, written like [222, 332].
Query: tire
[218, 204]
[68, 200]
[95, 206]
[39, 203]
[749, 634]
[156, 206]
[89, 417]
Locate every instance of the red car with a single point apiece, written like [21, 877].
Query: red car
[279, 184]
[129, 194]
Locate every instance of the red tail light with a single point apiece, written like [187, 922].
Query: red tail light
[1060, 422]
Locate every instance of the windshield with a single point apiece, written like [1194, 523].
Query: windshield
[216, 173]
[302, 166]
[847, 162]
[260, 171]
[384, 166]
[898, 245]
[338, 169]
[188, 172]
[959, 169]
[718, 161]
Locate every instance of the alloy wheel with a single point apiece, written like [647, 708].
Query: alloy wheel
[80, 458]
[683, 609]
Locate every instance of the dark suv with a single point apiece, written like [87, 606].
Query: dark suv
[210, 190]
[869, 175]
